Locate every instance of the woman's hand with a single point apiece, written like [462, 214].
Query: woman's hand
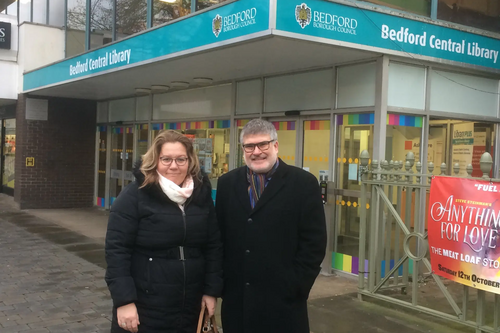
[210, 303]
[127, 317]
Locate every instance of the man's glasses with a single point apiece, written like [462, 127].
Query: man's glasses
[250, 147]
[180, 161]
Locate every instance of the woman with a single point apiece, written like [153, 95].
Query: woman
[163, 246]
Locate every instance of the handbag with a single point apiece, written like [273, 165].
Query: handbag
[205, 323]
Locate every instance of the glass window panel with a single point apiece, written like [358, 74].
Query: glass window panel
[202, 4]
[483, 14]
[102, 112]
[3, 11]
[101, 23]
[40, 11]
[437, 141]
[304, 91]
[466, 140]
[317, 148]
[356, 85]
[466, 94]
[143, 108]
[406, 86]
[400, 140]
[9, 153]
[122, 110]
[131, 17]
[142, 141]
[75, 32]
[24, 11]
[12, 9]
[202, 102]
[164, 12]
[101, 172]
[287, 138]
[421, 7]
[56, 13]
[249, 97]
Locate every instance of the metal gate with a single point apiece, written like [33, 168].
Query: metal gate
[394, 250]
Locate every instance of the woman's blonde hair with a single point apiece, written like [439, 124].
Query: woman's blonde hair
[151, 159]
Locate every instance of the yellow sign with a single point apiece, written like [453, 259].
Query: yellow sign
[30, 161]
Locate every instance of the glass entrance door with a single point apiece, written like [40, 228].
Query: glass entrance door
[352, 138]
[121, 161]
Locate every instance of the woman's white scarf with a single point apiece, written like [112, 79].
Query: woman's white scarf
[175, 192]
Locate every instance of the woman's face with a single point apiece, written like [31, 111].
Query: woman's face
[175, 153]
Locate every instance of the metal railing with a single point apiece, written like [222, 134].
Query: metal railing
[394, 250]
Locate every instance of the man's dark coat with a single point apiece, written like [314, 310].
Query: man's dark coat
[272, 254]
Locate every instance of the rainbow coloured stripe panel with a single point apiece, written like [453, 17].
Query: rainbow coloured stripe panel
[350, 264]
[142, 126]
[356, 119]
[404, 120]
[192, 125]
[102, 128]
[284, 125]
[121, 130]
[315, 125]
[241, 122]
[100, 202]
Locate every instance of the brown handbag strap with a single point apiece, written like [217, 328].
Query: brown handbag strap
[200, 320]
[201, 323]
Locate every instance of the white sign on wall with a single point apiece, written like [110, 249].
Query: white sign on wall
[37, 109]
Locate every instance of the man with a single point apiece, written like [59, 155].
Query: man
[274, 233]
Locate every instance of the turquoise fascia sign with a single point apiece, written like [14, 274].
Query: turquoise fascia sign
[354, 25]
[223, 23]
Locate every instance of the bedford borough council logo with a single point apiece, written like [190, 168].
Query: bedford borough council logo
[217, 25]
[303, 15]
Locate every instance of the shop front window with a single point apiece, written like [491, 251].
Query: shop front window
[461, 142]
[9, 154]
[210, 141]
[483, 14]
[102, 132]
[420, 7]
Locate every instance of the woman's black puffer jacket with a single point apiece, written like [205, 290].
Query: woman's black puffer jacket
[162, 259]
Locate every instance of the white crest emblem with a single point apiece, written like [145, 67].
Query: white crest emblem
[217, 25]
[303, 15]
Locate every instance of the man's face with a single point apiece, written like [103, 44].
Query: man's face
[260, 160]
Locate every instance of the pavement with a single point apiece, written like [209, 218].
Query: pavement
[52, 280]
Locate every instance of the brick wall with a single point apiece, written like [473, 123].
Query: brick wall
[64, 152]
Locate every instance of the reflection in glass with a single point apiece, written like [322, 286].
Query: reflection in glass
[40, 11]
[164, 12]
[24, 11]
[474, 13]
[131, 17]
[75, 31]
[9, 153]
[101, 23]
[12, 9]
[202, 4]
[56, 13]
[420, 7]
